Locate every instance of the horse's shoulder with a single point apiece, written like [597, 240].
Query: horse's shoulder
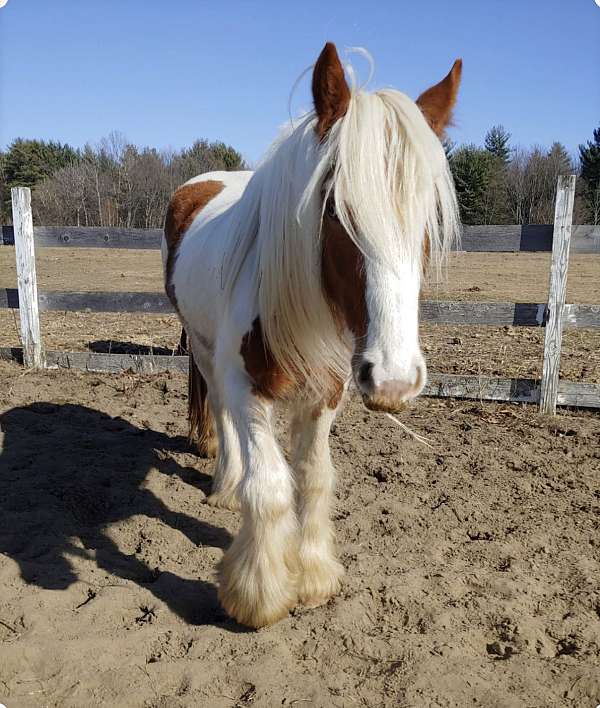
[185, 204]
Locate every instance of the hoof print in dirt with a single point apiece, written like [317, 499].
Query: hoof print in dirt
[498, 651]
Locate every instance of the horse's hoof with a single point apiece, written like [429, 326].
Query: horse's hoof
[319, 582]
[208, 448]
[225, 500]
[254, 616]
[255, 596]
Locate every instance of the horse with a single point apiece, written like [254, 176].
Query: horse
[290, 281]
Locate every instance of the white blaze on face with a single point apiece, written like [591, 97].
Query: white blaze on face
[397, 369]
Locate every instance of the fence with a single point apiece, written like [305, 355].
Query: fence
[553, 315]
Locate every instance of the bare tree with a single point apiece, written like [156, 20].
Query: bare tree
[116, 184]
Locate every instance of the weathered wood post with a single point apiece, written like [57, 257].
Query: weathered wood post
[563, 216]
[33, 350]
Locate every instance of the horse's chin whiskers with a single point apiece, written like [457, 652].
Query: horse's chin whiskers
[417, 436]
[396, 408]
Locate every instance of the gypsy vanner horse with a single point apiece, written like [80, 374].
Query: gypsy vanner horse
[289, 281]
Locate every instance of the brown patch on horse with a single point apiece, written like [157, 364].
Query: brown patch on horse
[426, 255]
[269, 380]
[438, 101]
[185, 204]
[200, 417]
[331, 94]
[332, 399]
[343, 277]
[336, 395]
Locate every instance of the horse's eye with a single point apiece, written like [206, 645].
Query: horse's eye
[331, 212]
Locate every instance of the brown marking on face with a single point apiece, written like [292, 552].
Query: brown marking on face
[185, 204]
[331, 94]
[268, 378]
[343, 277]
[438, 101]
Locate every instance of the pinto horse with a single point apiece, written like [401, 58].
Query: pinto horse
[289, 281]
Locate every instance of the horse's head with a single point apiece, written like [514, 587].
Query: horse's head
[388, 207]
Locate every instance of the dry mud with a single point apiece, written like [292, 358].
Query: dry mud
[471, 567]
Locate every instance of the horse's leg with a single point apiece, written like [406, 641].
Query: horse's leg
[320, 571]
[257, 576]
[228, 464]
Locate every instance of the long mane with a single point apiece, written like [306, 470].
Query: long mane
[391, 182]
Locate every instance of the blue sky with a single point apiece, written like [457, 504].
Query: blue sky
[167, 72]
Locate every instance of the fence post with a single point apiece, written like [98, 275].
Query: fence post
[33, 351]
[563, 216]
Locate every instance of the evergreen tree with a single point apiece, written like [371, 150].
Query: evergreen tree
[227, 156]
[473, 171]
[27, 162]
[30, 161]
[3, 212]
[560, 159]
[589, 162]
[496, 143]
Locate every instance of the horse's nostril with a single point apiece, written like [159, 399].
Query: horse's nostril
[365, 373]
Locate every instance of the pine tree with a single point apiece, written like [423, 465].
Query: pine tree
[560, 159]
[473, 170]
[30, 161]
[589, 161]
[496, 143]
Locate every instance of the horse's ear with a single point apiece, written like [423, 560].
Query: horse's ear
[330, 90]
[438, 101]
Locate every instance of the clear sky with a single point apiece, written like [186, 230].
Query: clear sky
[165, 72]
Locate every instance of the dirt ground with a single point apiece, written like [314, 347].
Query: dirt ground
[471, 567]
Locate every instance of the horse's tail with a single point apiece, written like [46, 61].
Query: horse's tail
[200, 418]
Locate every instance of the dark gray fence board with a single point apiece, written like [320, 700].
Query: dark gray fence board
[521, 314]
[89, 237]
[49, 300]
[480, 238]
[482, 388]
[532, 238]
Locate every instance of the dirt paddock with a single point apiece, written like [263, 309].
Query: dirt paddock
[472, 566]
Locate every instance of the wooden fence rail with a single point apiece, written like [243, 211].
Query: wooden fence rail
[507, 239]
[518, 314]
[555, 315]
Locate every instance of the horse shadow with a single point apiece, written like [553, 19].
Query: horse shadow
[115, 346]
[68, 472]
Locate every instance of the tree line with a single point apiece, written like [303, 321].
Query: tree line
[501, 184]
[113, 183]
[118, 184]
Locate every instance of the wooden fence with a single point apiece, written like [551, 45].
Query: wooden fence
[554, 315]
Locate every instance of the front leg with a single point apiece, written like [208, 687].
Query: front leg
[320, 571]
[228, 465]
[257, 576]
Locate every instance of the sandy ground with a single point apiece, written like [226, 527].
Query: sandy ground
[472, 567]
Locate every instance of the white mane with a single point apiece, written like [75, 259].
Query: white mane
[390, 179]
